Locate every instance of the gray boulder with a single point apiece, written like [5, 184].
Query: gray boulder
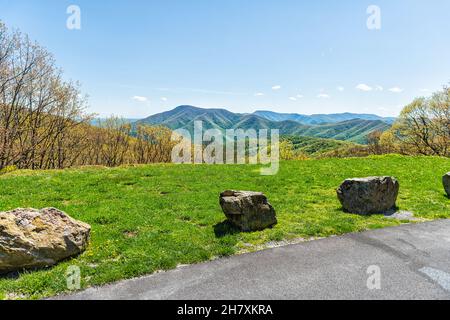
[32, 238]
[249, 211]
[368, 195]
[446, 181]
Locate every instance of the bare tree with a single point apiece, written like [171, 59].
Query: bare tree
[37, 106]
[373, 142]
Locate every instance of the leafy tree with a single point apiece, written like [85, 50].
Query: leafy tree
[423, 126]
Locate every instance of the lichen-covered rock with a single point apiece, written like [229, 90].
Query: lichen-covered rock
[446, 181]
[32, 238]
[368, 195]
[249, 211]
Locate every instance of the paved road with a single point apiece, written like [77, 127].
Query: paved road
[413, 260]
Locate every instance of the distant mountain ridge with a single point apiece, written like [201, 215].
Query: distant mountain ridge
[321, 118]
[348, 129]
[97, 122]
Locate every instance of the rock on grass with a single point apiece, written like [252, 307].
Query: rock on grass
[31, 238]
[248, 210]
[368, 195]
[446, 181]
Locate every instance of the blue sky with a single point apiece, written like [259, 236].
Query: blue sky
[139, 57]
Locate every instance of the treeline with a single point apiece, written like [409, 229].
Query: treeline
[114, 142]
[43, 119]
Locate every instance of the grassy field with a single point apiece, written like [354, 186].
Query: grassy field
[155, 217]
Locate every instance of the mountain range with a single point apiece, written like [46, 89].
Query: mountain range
[344, 126]
[320, 118]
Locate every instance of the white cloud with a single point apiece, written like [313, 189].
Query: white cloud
[340, 88]
[293, 98]
[323, 96]
[259, 94]
[299, 96]
[164, 99]
[396, 90]
[277, 87]
[140, 98]
[378, 88]
[364, 87]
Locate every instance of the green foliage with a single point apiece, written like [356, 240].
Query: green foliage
[289, 152]
[8, 169]
[422, 128]
[315, 146]
[154, 217]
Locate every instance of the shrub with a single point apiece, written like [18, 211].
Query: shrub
[8, 169]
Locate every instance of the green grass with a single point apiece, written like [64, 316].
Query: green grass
[156, 217]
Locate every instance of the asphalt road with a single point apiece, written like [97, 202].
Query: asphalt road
[412, 261]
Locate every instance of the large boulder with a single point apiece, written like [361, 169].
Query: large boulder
[249, 211]
[32, 238]
[446, 181]
[368, 195]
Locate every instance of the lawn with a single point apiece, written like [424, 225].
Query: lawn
[155, 217]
